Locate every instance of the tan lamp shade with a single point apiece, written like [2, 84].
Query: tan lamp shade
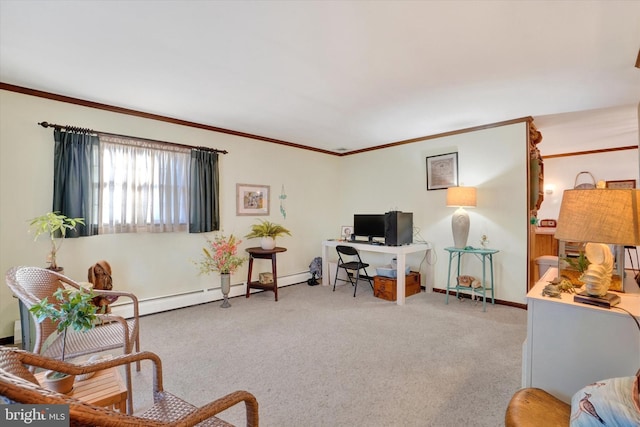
[461, 197]
[600, 215]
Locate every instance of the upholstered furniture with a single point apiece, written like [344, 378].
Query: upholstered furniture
[32, 284]
[18, 385]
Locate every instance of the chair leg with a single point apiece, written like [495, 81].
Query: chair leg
[357, 280]
[138, 351]
[127, 368]
[368, 278]
[335, 278]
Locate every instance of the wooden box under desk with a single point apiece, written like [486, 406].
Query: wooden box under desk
[386, 287]
[105, 389]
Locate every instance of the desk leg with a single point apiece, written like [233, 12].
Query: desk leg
[325, 265]
[401, 279]
[249, 275]
[274, 269]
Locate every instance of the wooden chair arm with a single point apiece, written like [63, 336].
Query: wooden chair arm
[43, 362]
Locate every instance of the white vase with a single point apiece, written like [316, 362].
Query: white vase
[267, 243]
[225, 287]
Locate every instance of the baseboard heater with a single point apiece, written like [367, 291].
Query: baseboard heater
[199, 296]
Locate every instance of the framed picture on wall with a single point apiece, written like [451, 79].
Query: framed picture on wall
[442, 171]
[621, 184]
[252, 199]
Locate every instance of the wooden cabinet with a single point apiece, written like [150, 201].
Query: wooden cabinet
[545, 243]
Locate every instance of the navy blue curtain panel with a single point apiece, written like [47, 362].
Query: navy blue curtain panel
[204, 205]
[76, 174]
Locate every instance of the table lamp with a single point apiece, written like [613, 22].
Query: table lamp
[600, 217]
[460, 197]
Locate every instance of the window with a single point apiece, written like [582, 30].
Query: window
[144, 186]
[120, 184]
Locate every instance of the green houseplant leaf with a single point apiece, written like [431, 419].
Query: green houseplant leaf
[267, 229]
[56, 225]
[73, 308]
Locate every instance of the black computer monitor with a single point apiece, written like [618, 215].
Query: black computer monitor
[368, 226]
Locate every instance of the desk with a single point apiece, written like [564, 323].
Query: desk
[259, 253]
[105, 388]
[481, 254]
[400, 253]
[570, 345]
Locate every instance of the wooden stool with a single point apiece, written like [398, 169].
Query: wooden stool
[534, 407]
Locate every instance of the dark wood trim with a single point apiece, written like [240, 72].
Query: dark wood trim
[121, 110]
[441, 135]
[498, 301]
[580, 153]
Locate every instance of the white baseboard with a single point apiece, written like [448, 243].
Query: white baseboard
[201, 296]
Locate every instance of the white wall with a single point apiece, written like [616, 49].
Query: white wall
[493, 160]
[152, 265]
[323, 193]
[561, 172]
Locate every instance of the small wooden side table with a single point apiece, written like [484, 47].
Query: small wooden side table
[105, 389]
[259, 253]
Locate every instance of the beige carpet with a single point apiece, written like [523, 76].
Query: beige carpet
[323, 358]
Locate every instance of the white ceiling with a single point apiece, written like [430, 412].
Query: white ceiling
[329, 74]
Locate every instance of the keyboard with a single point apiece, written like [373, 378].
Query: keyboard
[366, 242]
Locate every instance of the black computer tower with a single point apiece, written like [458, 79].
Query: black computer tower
[398, 228]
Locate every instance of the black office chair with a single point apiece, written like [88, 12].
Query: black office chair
[349, 260]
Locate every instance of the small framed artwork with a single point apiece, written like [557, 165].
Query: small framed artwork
[442, 171]
[346, 231]
[622, 184]
[252, 199]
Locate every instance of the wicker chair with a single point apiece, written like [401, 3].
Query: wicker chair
[18, 385]
[31, 284]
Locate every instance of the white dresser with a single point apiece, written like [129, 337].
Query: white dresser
[570, 345]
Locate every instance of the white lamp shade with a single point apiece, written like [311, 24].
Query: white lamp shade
[461, 197]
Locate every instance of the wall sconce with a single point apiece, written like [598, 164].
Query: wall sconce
[549, 189]
[460, 197]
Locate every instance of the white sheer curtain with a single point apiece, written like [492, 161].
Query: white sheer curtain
[144, 186]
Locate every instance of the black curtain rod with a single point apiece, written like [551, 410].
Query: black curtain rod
[87, 130]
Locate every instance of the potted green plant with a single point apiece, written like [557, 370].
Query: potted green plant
[267, 232]
[57, 226]
[74, 308]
